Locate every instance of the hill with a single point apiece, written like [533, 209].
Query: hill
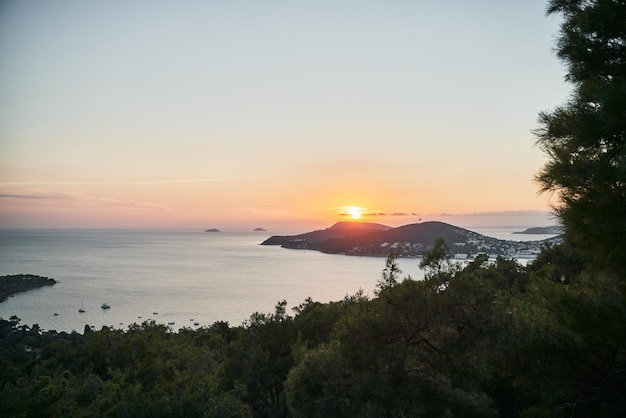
[338, 230]
[355, 238]
[542, 230]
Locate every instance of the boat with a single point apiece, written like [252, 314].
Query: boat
[105, 306]
[81, 310]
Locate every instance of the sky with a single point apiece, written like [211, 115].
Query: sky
[224, 114]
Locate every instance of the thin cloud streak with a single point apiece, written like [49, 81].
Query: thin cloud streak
[498, 213]
[25, 196]
[90, 201]
[371, 214]
[139, 182]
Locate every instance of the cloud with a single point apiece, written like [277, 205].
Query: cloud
[27, 196]
[87, 201]
[382, 214]
[500, 213]
[139, 182]
[208, 180]
[130, 204]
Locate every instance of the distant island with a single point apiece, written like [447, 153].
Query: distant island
[16, 283]
[212, 230]
[259, 230]
[413, 240]
[543, 230]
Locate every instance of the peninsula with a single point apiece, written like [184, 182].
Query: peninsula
[542, 230]
[413, 240]
[16, 283]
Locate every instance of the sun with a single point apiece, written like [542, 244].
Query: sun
[355, 212]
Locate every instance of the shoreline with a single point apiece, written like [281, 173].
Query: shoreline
[16, 283]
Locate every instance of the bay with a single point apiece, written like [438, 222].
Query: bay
[179, 277]
[182, 278]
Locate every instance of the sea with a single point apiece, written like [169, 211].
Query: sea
[178, 278]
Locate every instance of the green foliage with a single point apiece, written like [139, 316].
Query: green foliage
[585, 138]
[492, 338]
[390, 273]
[414, 351]
[146, 371]
[259, 360]
[438, 266]
[575, 314]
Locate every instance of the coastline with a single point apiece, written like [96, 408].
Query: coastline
[16, 283]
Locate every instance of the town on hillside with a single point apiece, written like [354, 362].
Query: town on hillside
[413, 240]
[467, 249]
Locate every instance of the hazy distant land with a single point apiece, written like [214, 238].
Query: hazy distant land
[20, 283]
[370, 239]
[543, 230]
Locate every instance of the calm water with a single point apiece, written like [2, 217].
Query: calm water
[174, 276]
[184, 276]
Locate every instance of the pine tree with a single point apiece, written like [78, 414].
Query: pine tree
[585, 138]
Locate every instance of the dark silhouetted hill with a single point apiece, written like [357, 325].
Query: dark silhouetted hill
[338, 230]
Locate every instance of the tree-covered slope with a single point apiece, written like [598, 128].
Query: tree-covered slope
[489, 339]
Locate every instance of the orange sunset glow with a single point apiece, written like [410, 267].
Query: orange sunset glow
[355, 212]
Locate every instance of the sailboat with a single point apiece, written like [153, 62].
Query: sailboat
[81, 309]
